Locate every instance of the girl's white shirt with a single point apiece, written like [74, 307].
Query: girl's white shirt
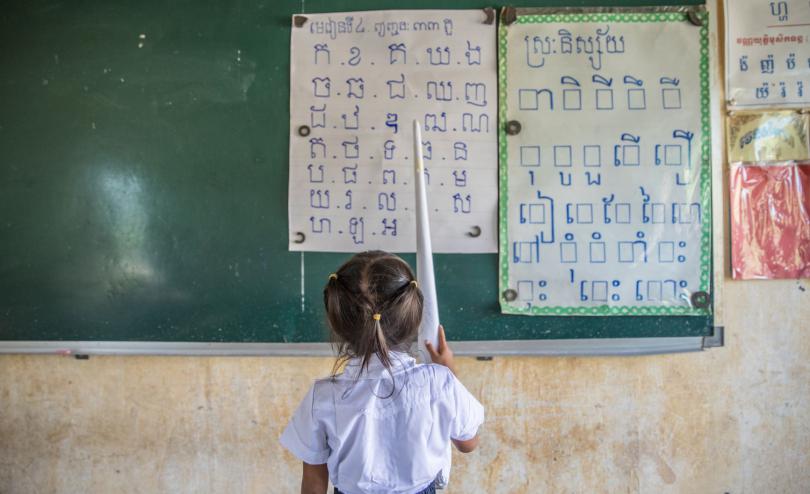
[375, 443]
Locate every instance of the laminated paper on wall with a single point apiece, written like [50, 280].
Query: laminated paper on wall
[605, 194]
[770, 220]
[358, 80]
[767, 136]
[767, 48]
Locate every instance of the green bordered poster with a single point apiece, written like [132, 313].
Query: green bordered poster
[605, 193]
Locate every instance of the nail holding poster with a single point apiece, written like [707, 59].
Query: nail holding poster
[605, 194]
[767, 50]
[767, 136]
[358, 80]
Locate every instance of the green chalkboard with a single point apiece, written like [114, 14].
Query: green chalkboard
[143, 183]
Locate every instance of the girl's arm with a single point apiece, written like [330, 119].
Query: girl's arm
[315, 479]
[444, 356]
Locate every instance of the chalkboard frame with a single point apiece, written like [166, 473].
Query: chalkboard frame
[280, 312]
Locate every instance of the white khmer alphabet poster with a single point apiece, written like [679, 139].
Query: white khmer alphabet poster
[358, 80]
[604, 166]
[767, 54]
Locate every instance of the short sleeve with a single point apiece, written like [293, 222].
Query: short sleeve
[469, 412]
[305, 436]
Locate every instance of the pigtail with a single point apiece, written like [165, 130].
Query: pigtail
[331, 298]
[381, 350]
[408, 303]
[381, 343]
[333, 306]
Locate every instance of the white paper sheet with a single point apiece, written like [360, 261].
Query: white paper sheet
[767, 53]
[604, 192]
[358, 80]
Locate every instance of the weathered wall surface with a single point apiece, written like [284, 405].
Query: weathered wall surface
[734, 419]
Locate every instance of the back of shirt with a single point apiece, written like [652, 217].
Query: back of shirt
[382, 432]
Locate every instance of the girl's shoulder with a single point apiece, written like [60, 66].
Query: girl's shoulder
[436, 371]
[438, 376]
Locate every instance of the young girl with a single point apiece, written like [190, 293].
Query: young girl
[384, 424]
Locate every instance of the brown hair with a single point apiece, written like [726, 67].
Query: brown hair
[370, 284]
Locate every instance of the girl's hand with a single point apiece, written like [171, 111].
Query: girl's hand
[444, 356]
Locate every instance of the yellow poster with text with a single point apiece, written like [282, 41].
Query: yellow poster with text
[767, 136]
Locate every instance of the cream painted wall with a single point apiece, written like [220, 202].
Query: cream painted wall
[733, 419]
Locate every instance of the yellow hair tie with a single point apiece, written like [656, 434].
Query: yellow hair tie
[333, 276]
[414, 283]
[376, 317]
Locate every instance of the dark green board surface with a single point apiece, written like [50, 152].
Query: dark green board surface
[143, 191]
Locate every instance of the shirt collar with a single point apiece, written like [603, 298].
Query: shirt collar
[399, 361]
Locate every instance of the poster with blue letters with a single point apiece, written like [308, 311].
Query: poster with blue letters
[604, 163]
[357, 82]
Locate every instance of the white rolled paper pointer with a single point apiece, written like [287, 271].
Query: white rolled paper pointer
[429, 329]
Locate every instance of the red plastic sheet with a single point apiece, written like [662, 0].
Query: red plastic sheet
[770, 220]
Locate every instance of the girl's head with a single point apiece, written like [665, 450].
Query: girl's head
[373, 305]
